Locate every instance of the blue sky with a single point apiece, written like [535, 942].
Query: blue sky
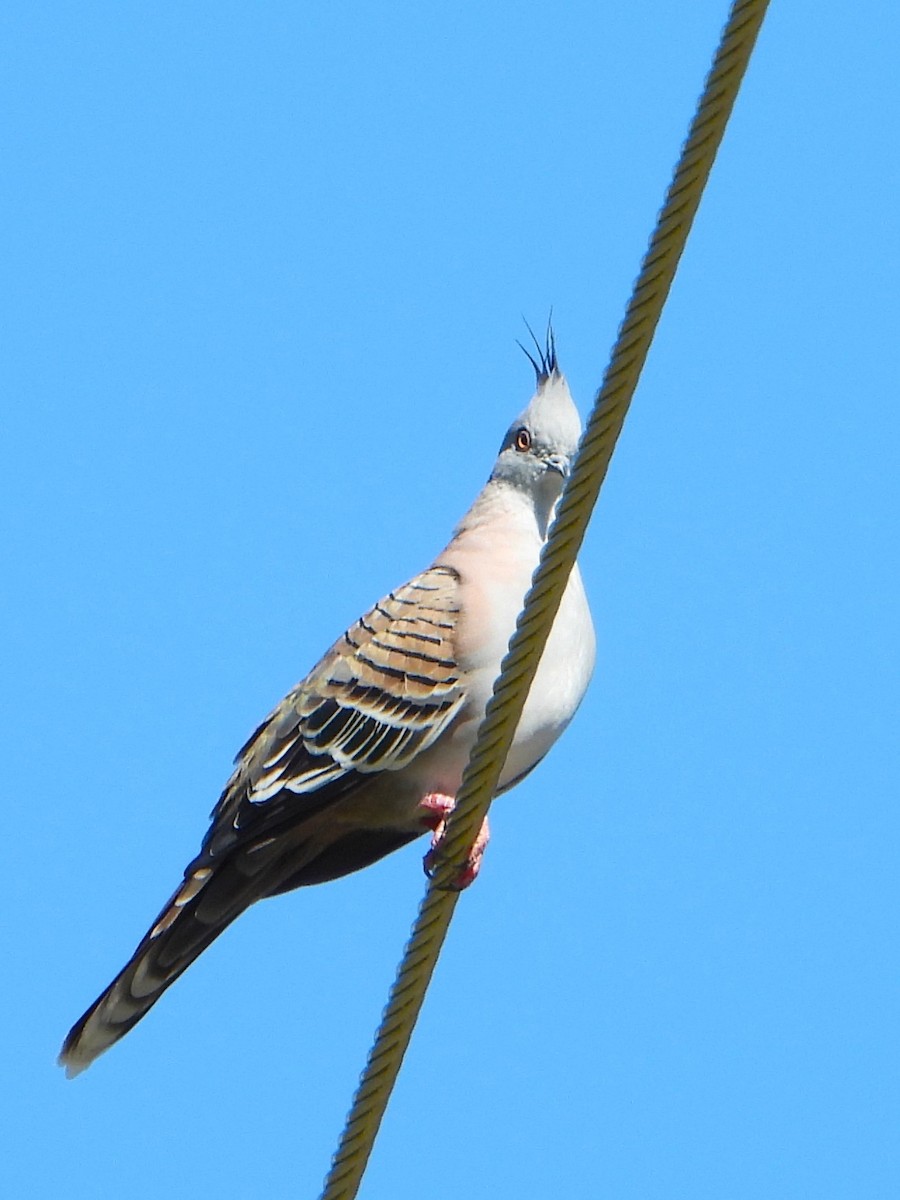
[265, 267]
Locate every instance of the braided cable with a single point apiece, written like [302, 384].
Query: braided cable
[542, 602]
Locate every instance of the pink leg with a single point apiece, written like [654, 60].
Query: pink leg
[436, 808]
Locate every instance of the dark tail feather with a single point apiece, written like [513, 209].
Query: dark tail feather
[210, 898]
[213, 893]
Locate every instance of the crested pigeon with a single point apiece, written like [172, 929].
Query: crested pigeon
[367, 752]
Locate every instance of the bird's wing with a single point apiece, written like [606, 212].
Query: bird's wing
[381, 695]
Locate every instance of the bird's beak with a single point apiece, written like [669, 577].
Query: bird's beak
[558, 463]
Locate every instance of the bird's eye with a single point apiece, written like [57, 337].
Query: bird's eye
[523, 440]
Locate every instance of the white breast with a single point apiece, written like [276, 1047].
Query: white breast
[496, 563]
[560, 684]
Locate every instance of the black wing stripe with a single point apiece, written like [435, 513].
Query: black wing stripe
[418, 655]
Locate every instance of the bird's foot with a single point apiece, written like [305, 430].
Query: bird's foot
[436, 809]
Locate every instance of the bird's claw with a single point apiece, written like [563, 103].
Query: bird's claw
[437, 809]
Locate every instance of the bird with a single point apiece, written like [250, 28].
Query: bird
[367, 752]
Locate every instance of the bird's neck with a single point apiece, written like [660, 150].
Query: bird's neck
[501, 501]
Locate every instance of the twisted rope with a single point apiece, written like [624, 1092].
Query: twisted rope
[542, 602]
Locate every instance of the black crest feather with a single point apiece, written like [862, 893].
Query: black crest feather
[546, 363]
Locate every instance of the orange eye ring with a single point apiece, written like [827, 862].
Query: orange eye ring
[523, 440]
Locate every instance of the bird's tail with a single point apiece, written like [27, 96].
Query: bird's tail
[206, 903]
[215, 890]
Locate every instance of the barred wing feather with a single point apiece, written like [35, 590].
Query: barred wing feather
[384, 692]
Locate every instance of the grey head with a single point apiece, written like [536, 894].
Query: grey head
[537, 452]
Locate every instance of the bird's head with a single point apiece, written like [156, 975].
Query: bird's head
[537, 452]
